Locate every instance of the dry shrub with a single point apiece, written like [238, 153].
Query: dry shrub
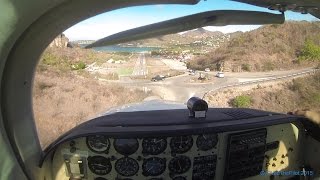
[301, 93]
[63, 100]
[279, 45]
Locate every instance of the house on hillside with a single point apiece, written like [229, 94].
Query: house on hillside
[110, 61]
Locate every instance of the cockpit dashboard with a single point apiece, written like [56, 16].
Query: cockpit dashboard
[168, 144]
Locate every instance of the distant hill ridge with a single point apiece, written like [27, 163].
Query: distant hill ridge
[185, 38]
[201, 33]
[188, 37]
[270, 47]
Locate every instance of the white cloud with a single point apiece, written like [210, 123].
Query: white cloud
[94, 31]
[96, 28]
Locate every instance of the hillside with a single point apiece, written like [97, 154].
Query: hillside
[65, 95]
[270, 47]
[284, 96]
[188, 37]
[201, 33]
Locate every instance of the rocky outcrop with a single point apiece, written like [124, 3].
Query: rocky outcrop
[60, 41]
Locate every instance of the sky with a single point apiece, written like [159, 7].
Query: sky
[127, 18]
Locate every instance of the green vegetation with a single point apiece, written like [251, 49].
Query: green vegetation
[245, 67]
[125, 71]
[242, 101]
[78, 66]
[310, 51]
[268, 66]
[50, 59]
[65, 59]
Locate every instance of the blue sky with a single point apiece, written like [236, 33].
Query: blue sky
[122, 19]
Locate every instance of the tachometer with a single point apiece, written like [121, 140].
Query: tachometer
[126, 146]
[179, 164]
[127, 166]
[153, 166]
[181, 144]
[154, 146]
[99, 165]
[207, 141]
[98, 143]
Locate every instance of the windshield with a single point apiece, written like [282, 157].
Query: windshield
[269, 67]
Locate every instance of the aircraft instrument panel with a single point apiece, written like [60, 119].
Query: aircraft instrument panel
[190, 152]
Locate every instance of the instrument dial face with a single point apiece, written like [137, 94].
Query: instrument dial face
[153, 166]
[179, 164]
[126, 146]
[154, 146]
[206, 142]
[98, 143]
[127, 166]
[99, 165]
[181, 144]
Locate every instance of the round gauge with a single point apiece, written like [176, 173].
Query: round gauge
[206, 142]
[179, 178]
[154, 146]
[98, 143]
[127, 166]
[153, 166]
[181, 144]
[99, 165]
[126, 146]
[179, 164]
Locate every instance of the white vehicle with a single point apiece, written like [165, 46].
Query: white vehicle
[207, 70]
[192, 72]
[220, 75]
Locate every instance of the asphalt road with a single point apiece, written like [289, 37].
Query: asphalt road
[180, 88]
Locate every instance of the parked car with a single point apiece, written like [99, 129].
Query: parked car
[207, 70]
[220, 75]
[157, 78]
[192, 72]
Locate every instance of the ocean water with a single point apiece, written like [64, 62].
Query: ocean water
[131, 49]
